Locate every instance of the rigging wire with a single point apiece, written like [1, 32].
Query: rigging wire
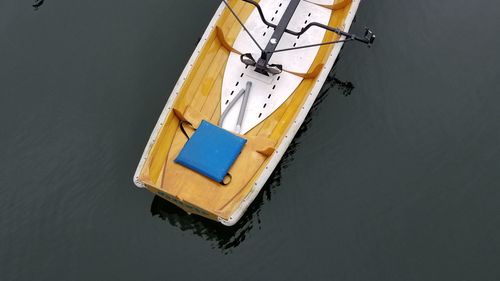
[311, 46]
[242, 25]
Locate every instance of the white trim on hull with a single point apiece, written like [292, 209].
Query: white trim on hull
[174, 94]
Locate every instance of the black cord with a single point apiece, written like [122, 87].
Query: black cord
[228, 178]
[181, 125]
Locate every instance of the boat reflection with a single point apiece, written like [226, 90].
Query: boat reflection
[332, 85]
[224, 238]
[227, 238]
[37, 4]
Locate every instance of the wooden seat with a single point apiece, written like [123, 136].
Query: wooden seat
[194, 189]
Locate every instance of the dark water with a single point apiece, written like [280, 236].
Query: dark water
[398, 181]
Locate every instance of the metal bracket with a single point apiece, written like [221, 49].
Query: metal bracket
[262, 65]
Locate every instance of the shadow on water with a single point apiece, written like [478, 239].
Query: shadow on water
[225, 238]
[228, 238]
[332, 85]
[37, 4]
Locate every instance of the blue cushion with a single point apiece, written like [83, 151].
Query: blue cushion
[211, 151]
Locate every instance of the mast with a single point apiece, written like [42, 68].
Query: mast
[279, 30]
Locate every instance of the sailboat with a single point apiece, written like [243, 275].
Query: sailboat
[241, 99]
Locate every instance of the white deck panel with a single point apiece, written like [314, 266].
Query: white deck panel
[269, 93]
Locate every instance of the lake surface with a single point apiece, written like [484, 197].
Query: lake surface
[400, 180]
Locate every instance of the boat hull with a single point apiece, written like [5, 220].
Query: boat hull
[197, 95]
